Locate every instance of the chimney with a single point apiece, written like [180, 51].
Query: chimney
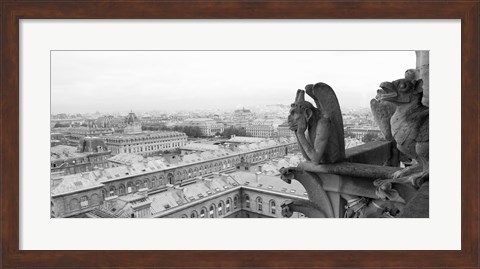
[257, 174]
[179, 191]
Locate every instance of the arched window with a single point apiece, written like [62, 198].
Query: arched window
[193, 214]
[235, 202]
[84, 201]
[74, 205]
[220, 208]
[138, 185]
[259, 204]
[121, 189]
[95, 199]
[112, 191]
[170, 178]
[247, 201]
[145, 183]
[227, 205]
[202, 213]
[130, 187]
[273, 207]
[212, 212]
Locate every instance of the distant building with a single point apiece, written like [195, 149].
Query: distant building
[73, 135]
[208, 127]
[91, 153]
[154, 174]
[360, 132]
[146, 143]
[261, 129]
[284, 131]
[243, 114]
[133, 140]
[235, 195]
[133, 124]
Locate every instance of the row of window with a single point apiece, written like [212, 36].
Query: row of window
[190, 173]
[85, 201]
[173, 137]
[217, 210]
[259, 204]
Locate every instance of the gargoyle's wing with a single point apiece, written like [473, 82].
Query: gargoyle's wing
[382, 112]
[327, 102]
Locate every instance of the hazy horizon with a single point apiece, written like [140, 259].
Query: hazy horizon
[109, 81]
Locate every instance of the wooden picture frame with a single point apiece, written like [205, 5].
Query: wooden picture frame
[13, 11]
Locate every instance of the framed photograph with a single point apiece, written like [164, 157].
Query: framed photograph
[239, 134]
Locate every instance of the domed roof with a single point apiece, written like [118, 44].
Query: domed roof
[131, 118]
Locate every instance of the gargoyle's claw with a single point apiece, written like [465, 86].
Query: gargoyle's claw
[418, 179]
[385, 190]
[397, 174]
[286, 211]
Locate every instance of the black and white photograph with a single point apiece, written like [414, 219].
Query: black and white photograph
[239, 134]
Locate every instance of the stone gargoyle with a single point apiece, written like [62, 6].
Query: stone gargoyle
[409, 126]
[320, 137]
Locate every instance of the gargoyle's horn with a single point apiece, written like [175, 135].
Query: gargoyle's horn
[300, 96]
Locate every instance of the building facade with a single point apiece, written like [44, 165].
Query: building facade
[360, 132]
[146, 143]
[260, 130]
[284, 131]
[73, 135]
[208, 127]
[154, 175]
[91, 153]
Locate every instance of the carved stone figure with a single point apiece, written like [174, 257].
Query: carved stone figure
[319, 131]
[409, 128]
[362, 207]
[307, 208]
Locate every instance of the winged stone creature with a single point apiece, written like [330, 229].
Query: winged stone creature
[319, 130]
[409, 126]
[320, 137]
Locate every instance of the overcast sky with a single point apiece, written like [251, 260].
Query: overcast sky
[110, 81]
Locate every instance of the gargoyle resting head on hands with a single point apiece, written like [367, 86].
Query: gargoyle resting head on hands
[400, 91]
[301, 112]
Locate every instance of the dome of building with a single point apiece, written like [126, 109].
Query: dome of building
[131, 119]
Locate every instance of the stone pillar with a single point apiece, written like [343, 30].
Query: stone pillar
[422, 65]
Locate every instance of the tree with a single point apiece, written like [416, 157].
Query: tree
[369, 136]
[59, 125]
[349, 133]
[233, 131]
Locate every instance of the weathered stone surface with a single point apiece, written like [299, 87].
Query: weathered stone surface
[423, 67]
[418, 205]
[319, 130]
[410, 129]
